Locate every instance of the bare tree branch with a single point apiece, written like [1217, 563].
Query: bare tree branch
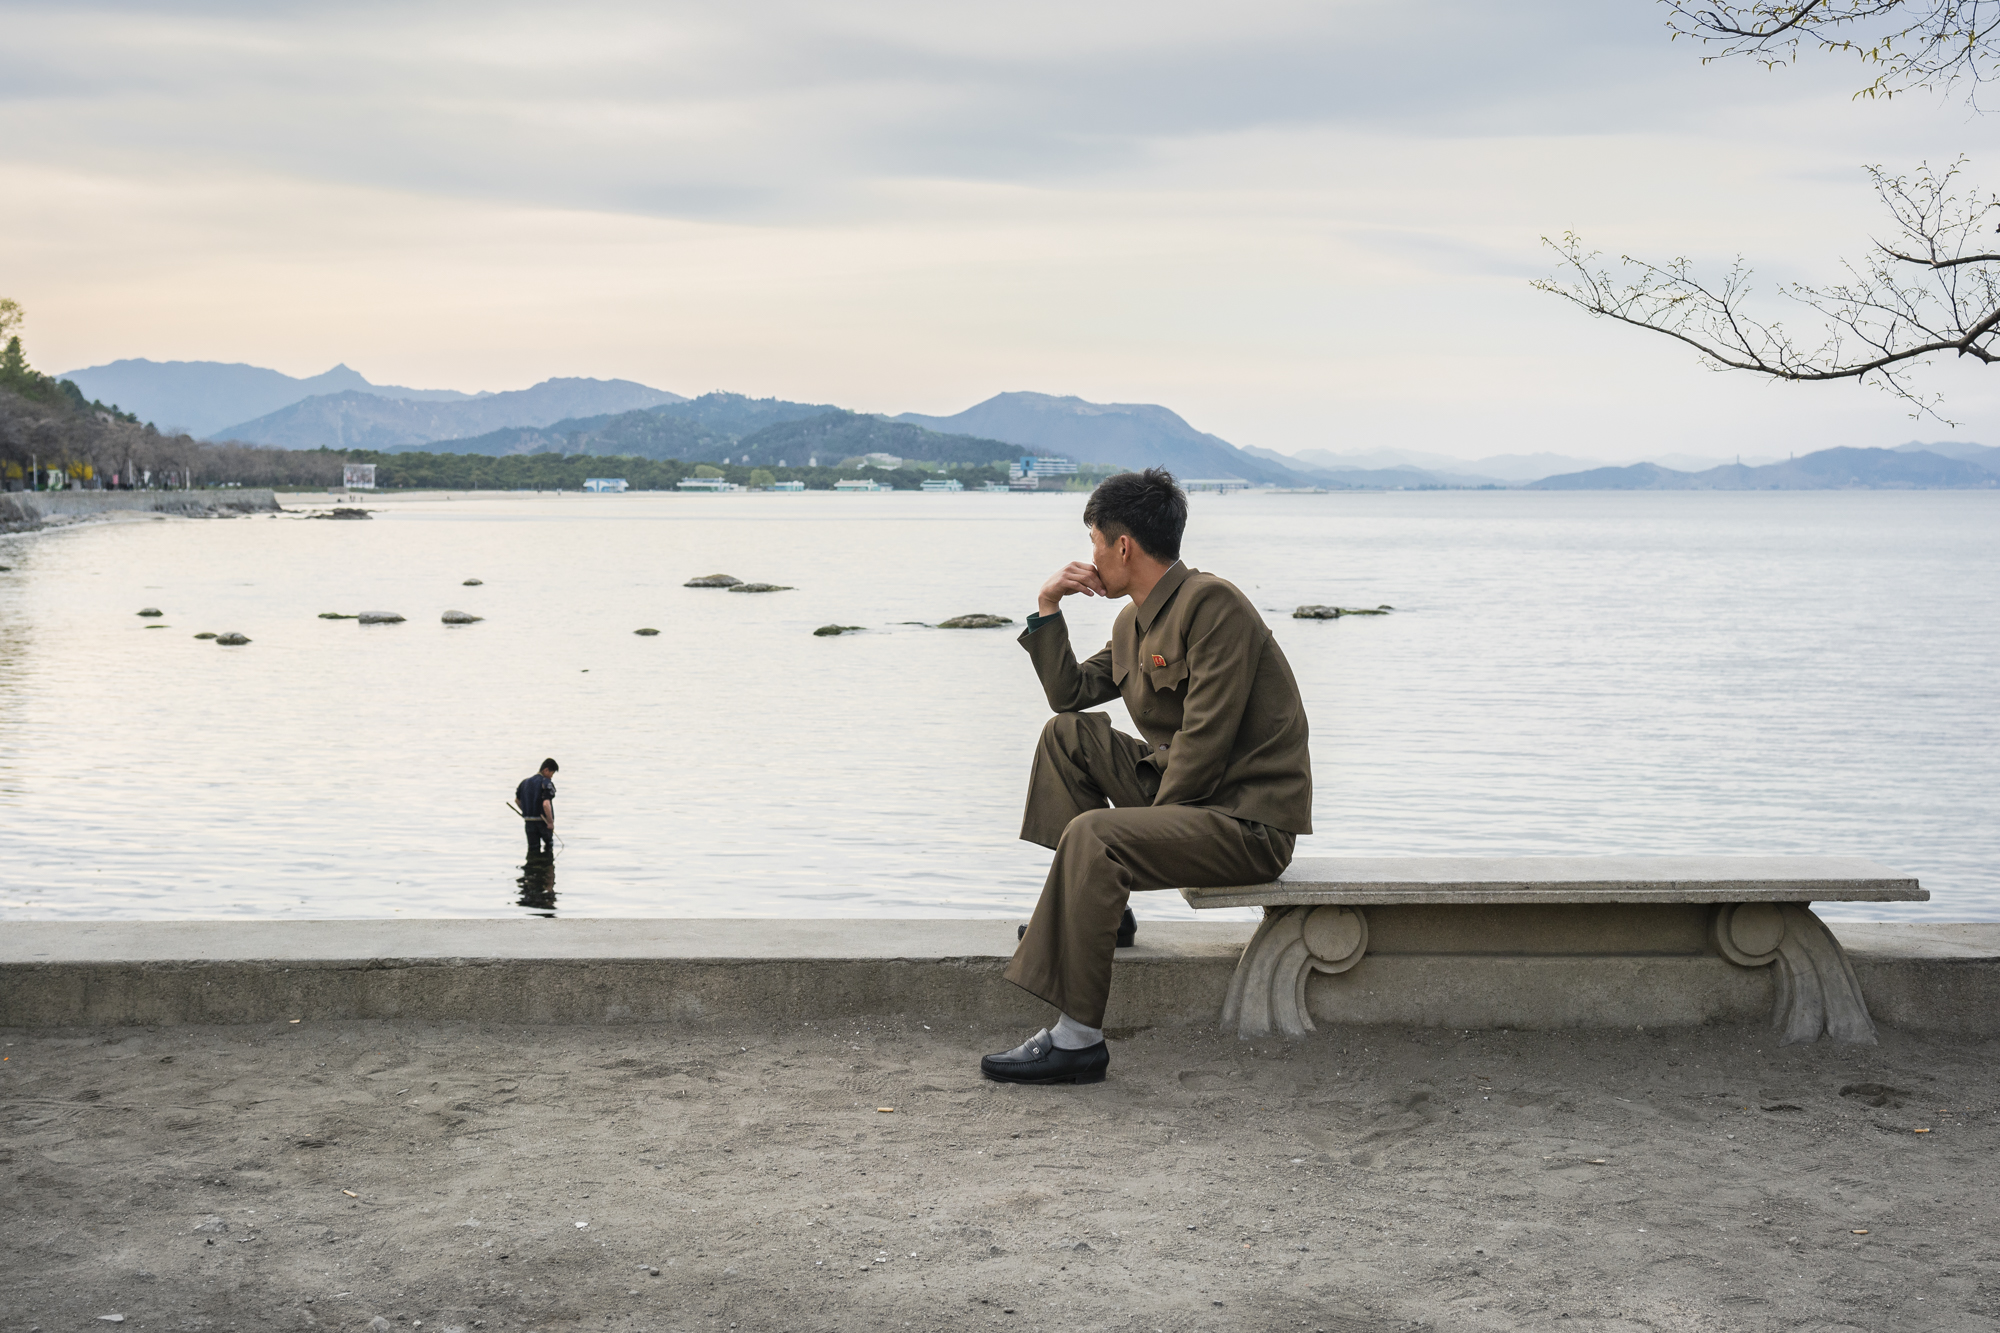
[1909, 44]
[1875, 327]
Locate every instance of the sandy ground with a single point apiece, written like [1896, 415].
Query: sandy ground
[626, 1178]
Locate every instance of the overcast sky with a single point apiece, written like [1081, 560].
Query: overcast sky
[1300, 225]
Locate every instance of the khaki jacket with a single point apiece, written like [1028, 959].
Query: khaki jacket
[1208, 688]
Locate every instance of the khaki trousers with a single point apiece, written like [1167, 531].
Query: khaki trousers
[1104, 855]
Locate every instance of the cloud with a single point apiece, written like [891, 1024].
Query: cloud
[1270, 215]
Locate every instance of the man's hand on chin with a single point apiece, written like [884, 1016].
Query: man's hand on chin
[1074, 577]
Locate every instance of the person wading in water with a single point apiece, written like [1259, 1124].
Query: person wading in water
[537, 798]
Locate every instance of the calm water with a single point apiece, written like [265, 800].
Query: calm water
[1565, 673]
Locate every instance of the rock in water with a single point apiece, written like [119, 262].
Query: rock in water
[760, 587]
[339, 512]
[826, 631]
[646, 633]
[379, 618]
[459, 618]
[334, 615]
[1336, 612]
[712, 581]
[474, 583]
[152, 611]
[974, 622]
[205, 634]
[232, 640]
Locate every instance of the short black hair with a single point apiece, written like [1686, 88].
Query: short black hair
[1149, 507]
[551, 766]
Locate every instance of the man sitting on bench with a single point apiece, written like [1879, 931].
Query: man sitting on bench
[1216, 793]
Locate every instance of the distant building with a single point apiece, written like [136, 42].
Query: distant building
[861, 484]
[996, 488]
[358, 476]
[708, 485]
[944, 484]
[1032, 466]
[1028, 472]
[887, 462]
[1216, 484]
[608, 485]
[787, 486]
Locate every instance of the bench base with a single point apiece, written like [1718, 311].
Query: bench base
[1543, 966]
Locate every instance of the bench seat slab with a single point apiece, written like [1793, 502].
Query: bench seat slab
[1327, 914]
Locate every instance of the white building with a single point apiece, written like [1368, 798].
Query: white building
[1026, 473]
[606, 485]
[786, 486]
[861, 484]
[706, 485]
[944, 484]
[358, 476]
[1216, 484]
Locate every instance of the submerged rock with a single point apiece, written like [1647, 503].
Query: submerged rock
[151, 611]
[646, 633]
[336, 615]
[206, 634]
[459, 618]
[712, 581]
[341, 512]
[975, 622]
[231, 640]
[379, 618]
[1336, 612]
[474, 583]
[760, 587]
[825, 631]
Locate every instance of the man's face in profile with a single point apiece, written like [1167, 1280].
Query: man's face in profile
[1112, 570]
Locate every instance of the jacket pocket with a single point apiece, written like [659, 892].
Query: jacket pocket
[1169, 677]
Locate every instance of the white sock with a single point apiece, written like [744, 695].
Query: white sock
[1071, 1035]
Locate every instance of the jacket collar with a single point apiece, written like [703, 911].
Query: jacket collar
[1161, 594]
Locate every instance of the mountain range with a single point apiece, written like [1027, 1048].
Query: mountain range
[203, 397]
[343, 409]
[1827, 469]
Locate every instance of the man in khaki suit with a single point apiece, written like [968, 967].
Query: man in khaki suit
[1214, 791]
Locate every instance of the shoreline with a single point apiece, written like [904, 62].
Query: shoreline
[34, 511]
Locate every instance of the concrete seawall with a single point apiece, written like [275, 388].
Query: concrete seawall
[1942, 978]
[21, 511]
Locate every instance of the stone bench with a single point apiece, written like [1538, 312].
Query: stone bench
[1553, 942]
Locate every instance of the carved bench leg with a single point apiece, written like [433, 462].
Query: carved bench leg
[1268, 992]
[1817, 990]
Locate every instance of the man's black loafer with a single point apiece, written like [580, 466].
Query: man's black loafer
[1039, 1060]
[1128, 930]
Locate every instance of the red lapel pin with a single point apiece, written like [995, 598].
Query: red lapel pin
[1159, 660]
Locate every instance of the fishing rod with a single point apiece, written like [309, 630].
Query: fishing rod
[542, 819]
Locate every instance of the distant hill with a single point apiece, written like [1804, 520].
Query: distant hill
[203, 396]
[691, 429]
[1828, 469]
[735, 415]
[1986, 455]
[1122, 434]
[639, 434]
[728, 427]
[837, 435]
[361, 420]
